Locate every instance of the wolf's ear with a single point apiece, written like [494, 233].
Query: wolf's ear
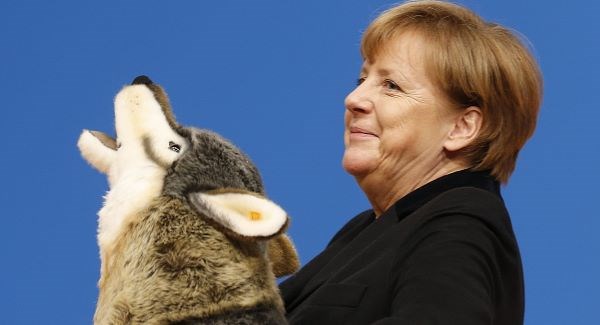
[97, 148]
[243, 215]
[283, 256]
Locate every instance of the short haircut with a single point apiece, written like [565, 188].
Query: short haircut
[473, 63]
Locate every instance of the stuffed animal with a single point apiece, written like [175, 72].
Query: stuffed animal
[186, 233]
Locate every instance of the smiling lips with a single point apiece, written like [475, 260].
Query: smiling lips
[359, 133]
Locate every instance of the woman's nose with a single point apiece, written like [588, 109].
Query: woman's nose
[359, 101]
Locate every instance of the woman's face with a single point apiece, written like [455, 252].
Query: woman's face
[395, 120]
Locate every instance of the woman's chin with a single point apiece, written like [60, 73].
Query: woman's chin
[357, 164]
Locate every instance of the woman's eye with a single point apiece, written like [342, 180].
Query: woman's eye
[391, 85]
[360, 80]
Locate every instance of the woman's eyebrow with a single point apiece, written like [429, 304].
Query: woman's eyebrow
[385, 72]
[396, 74]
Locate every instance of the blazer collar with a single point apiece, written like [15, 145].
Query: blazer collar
[417, 198]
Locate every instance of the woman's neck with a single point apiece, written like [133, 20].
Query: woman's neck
[384, 189]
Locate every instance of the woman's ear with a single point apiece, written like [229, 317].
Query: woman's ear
[465, 129]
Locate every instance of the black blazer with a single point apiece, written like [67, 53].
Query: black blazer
[444, 254]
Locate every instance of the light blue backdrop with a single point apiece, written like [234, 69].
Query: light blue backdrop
[271, 76]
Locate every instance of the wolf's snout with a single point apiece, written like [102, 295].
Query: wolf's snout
[141, 80]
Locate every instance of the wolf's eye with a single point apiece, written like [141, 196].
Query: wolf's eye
[174, 146]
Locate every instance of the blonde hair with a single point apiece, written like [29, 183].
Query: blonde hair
[473, 63]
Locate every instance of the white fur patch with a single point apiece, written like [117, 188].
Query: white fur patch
[138, 114]
[95, 152]
[135, 176]
[245, 214]
[131, 194]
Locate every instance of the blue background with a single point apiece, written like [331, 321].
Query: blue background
[271, 76]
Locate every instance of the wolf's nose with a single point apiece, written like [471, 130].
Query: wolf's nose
[141, 80]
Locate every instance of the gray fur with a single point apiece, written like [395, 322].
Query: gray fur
[174, 266]
[211, 163]
[263, 316]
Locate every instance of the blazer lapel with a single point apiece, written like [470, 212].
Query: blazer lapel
[303, 283]
[331, 261]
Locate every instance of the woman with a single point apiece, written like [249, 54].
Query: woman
[443, 105]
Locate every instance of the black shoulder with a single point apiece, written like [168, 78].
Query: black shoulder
[475, 209]
[352, 227]
[473, 202]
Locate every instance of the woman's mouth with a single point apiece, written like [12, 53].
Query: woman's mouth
[360, 133]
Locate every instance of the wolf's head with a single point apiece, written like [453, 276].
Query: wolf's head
[152, 150]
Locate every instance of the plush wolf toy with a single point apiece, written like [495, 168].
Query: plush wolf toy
[186, 235]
